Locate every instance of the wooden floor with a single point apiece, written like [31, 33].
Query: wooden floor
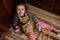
[45, 34]
[20, 36]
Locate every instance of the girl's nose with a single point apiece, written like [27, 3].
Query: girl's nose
[20, 11]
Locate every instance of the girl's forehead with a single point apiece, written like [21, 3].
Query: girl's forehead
[20, 5]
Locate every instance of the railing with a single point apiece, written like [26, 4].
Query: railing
[44, 15]
[48, 35]
[45, 34]
[48, 18]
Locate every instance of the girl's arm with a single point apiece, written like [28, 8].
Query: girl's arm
[37, 26]
[31, 16]
[40, 24]
[15, 18]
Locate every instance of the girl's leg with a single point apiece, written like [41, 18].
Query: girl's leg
[31, 35]
[56, 30]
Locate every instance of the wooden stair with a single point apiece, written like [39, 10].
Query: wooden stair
[13, 36]
[44, 35]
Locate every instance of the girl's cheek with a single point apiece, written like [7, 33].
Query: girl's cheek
[17, 12]
[23, 11]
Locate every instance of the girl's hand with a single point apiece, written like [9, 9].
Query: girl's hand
[38, 27]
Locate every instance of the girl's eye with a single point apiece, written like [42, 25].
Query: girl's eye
[18, 9]
[22, 9]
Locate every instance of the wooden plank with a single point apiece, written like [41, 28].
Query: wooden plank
[3, 26]
[2, 34]
[4, 14]
[41, 35]
[42, 14]
[8, 6]
[15, 36]
[53, 35]
[7, 38]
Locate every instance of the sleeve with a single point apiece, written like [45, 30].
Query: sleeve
[37, 26]
[42, 24]
[31, 16]
[15, 18]
[45, 25]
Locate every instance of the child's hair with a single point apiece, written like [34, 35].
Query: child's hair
[16, 3]
[24, 4]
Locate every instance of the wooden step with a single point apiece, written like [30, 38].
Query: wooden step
[13, 36]
[44, 15]
[8, 38]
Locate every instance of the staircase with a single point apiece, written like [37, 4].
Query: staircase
[45, 34]
[13, 36]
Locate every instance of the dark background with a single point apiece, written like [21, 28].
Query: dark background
[6, 8]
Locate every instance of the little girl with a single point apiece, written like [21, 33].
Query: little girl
[24, 21]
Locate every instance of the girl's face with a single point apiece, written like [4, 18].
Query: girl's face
[20, 9]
